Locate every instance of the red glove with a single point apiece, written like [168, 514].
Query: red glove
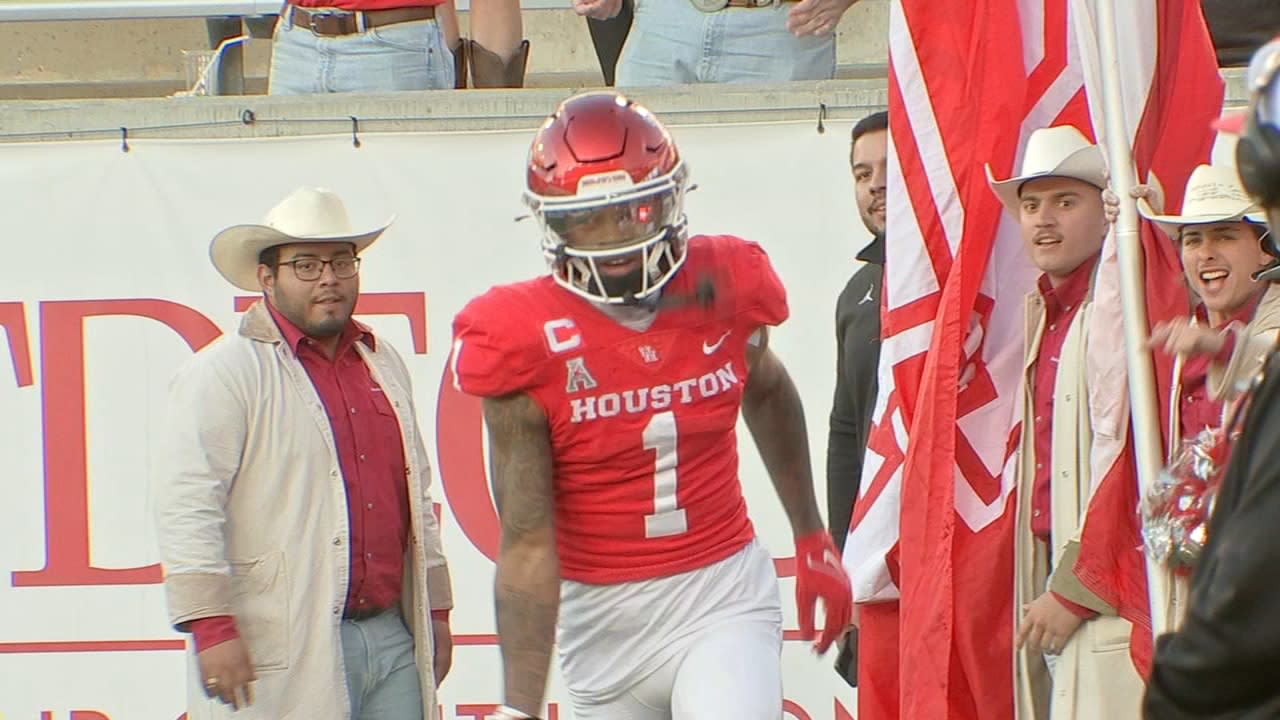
[820, 576]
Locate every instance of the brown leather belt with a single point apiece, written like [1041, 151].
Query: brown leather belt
[710, 6]
[334, 23]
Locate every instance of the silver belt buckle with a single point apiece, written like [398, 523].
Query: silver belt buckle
[710, 6]
[319, 15]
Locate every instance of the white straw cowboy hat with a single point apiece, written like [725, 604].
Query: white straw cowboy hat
[1053, 152]
[1214, 195]
[308, 215]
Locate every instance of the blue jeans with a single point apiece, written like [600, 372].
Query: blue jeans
[382, 678]
[403, 56]
[674, 43]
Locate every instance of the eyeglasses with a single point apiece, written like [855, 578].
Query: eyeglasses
[308, 269]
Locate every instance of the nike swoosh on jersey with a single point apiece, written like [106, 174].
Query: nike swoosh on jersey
[707, 349]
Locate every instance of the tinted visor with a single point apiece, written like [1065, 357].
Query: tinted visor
[615, 226]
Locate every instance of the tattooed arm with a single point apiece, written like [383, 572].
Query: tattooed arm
[527, 592]
[771, 406]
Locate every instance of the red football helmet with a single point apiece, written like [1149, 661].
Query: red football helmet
[607, 186]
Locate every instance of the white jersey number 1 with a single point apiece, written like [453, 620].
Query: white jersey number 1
[668, 517]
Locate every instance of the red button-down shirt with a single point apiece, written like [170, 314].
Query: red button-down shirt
[1197, 410]
[1061, 304]
[371, 455]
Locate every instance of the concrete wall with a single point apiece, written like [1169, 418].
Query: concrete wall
[121, 58]
[441, 110]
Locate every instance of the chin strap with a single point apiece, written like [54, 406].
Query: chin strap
[651, 303]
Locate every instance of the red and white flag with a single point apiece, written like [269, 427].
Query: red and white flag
[1171, 91]
[932, 527]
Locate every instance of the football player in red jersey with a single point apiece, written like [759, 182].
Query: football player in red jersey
[611, 391]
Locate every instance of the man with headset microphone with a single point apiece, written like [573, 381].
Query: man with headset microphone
[1225, 659]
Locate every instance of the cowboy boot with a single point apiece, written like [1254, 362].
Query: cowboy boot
[608, 37]
[489, 71]
[459, 65]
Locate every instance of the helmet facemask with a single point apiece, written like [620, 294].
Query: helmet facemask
[620, 244]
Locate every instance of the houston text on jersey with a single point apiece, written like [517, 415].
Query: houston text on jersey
[657, 397]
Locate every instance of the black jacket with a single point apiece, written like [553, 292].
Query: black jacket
[1225, 660]
[857, 361]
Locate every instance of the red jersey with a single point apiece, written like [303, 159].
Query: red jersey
[643, 424]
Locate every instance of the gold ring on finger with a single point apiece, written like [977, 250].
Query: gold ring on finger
[211, 682]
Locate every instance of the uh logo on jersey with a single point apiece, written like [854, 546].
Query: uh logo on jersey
[563, 336]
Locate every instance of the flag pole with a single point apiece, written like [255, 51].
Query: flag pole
[1142, 386]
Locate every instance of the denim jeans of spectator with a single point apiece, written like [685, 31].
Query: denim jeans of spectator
[403, 56]
[674, 43]
[382, 678]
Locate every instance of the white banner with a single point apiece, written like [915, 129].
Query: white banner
[105, 286]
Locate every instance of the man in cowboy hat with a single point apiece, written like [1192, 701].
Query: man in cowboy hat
[1219, 233]
[294, 519]
[1062, 628]
[1224, 659]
